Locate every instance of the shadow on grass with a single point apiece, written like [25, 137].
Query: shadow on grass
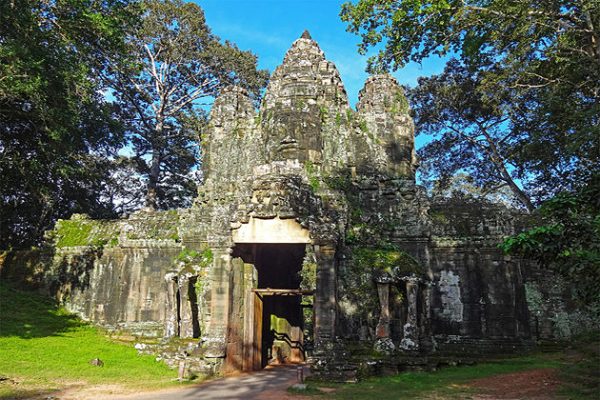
[581, 376]
[28, 314]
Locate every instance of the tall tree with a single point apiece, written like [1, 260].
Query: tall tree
[56, 131]
[470, 132]
[180, 66]
[542, 55]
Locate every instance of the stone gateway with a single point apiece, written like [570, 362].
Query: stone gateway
[309, 239]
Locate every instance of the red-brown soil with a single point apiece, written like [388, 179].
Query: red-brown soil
[537, 384]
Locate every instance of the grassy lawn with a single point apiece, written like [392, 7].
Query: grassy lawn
[445, 383]
[43, 348]
[578, 369]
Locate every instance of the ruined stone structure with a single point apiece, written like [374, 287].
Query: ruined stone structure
[308, 239]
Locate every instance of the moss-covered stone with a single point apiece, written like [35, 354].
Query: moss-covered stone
[82, 231]
[386, 259]
[154, 225]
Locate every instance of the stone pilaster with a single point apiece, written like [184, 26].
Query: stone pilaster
[171, 317]
[325, 296]
[383, 326]
[425, 324]
[216, 337]
[186, 322]
[410, 341]
[383, 342]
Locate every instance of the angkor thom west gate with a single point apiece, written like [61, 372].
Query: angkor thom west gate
[293, 193]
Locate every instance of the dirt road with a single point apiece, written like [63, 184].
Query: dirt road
[268, 384]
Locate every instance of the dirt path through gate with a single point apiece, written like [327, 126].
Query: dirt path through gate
[269, 384]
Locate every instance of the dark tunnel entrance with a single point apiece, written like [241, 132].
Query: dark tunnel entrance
[278, 313]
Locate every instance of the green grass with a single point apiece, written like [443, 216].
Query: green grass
[581, 376]
[448, 382]
[578, 369]
[44, 348]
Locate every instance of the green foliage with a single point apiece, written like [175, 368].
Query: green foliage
[192, 257]
[349, 115]
[439, 217]
[57, 130]
[519, 106]
[362, 125]
[315, 183]
[386, 259]
[338, 120]
[323, 114]
[73, 233]
[84, 232]
[469, 135]
[196, 261]
[400, 104]
[310, 168]
[45, 348]
[567, 239]
[308, 274]
[314, 180]
[164, 111]
[339, 182]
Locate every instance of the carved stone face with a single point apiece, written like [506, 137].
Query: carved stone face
[295, 132]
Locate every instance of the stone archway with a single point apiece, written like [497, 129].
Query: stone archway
[268, 309]
[267, 296]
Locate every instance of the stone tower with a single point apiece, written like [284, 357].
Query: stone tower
[305, 118]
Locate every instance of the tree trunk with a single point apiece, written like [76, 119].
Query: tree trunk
[154, 174]
[498, 160]
[520, 194]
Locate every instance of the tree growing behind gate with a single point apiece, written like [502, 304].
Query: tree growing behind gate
[519, 104]
[176, 67]
[101, 107]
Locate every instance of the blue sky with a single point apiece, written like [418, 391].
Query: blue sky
[269, 27]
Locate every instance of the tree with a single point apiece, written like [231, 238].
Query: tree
[179, 67]
[539, 59]
[566, 240]
[462, 186]
[56, 130]
[471, 133]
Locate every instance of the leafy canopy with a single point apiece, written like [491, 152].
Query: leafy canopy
[56, 130]
[178, 66]
[567, 239]
[471, 134]
[535, 64]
